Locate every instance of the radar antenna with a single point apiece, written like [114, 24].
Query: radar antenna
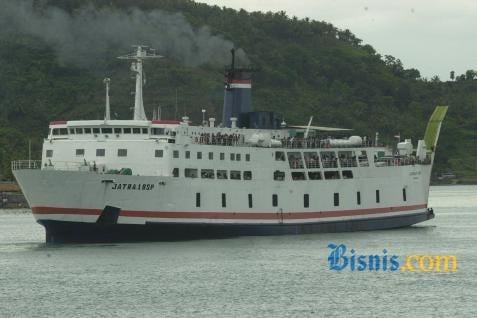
[141, 53]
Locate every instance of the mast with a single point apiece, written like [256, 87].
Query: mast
[136, 66]
[107, 113]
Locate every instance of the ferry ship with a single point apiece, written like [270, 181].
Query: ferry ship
[252, 174]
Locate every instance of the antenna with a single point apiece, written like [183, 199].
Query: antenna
[176, 110]
[308, 127]
[107, 112]
[136, 66]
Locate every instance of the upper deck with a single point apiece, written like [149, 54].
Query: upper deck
[181, 132]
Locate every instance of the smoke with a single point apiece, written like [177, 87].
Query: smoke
[92, 34]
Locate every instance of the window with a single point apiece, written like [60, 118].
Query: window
[299, 176]
[347, 159]
[100, 152]
[279, 175]
[328, 159]
[159, 153]
[237, 157]
[157, 131]
[136, 130]
[107, 130]
[306, 200]
[175, 154]
[190, 173]
[117, 130]
[224, 200]
[312, 160]
[72, 131]
[347, 174]
[79, 131]
[79, 152]
[250, 203]
[127, 130]
[358, 198]
[314, 175]
[145, 131]
[247, 175]
[95, 130]
[187, 154]
[232, 156]
[56, 132]
[247, 157]
[279, 156]
[332, 175]
[207, 174]
[336, 199]
[377, 196]
[87, 130]
[199, 155]
[63, 131]
[235, 175]
[211, 155]
[122, 152]
[404, 196]
[363, 159]
[197, 199]
[49, 153]
[294, 159]
[222, 156]
[274, 200]
[175, 172]
[221, 174]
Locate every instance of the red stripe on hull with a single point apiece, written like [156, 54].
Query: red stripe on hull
[230, 215]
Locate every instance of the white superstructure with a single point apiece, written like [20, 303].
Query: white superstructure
[168, 178]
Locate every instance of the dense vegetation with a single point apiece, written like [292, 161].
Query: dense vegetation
[306, 68]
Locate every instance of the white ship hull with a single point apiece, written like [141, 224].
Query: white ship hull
[73, 205]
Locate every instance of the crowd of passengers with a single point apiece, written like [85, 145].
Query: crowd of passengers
[220, 139]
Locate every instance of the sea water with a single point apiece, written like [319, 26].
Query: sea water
[275, 276]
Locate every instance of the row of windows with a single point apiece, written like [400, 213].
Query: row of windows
[187, 154]
[108, 130]
[336, 197]
[313, 175]
[329, 159]
[223, 199]
[99, 152]
[306, 199]
[210, 174]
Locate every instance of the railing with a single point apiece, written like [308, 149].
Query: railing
[401, 161]
[57, 165]
[238, 140]
[348, 162]
[314, 143]
[26, 164]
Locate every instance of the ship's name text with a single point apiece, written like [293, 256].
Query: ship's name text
[133, 186]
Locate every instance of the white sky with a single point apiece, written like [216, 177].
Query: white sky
[433, 36]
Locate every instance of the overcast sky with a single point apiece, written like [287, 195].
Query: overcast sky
[434, 36]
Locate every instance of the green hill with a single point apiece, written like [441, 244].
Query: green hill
[54, 55]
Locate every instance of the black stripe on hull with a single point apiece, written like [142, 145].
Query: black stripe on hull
[80, 232]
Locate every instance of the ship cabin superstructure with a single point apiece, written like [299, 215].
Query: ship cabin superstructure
[178, 149]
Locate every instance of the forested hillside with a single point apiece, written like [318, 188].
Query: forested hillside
[54, 55]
